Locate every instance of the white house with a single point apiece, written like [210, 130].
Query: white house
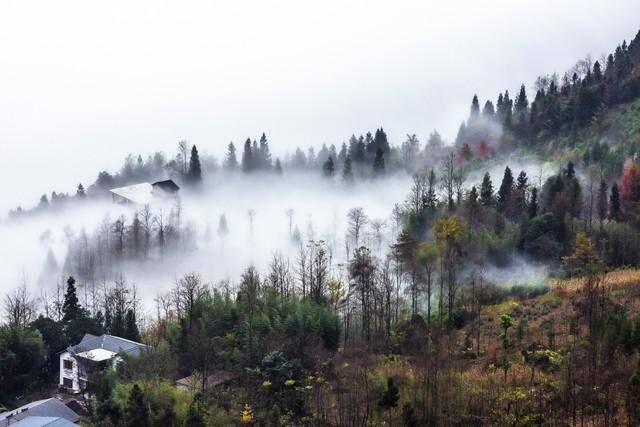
[92, 354]
[144, 193]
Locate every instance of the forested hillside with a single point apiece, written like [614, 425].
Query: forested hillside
[424, 319]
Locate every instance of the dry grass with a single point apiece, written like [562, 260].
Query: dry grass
[618, 280]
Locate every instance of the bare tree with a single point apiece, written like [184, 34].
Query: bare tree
[357, 220]
[279, 277]
[19, 306]
[289, 212]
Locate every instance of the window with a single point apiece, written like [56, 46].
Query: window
[67, 382]
[67, 364]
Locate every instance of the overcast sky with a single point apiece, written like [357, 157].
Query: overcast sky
[83, 83]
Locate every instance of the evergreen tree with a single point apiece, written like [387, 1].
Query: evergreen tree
[378, 163]
[390, 397]
[278, 167]
[71, 308]
[347, 173]
[328, 167]
[131, 327]
[533, 203]
[264, 155]
[475, 109]
[247, 157]
[381, 142]
[342, 155]
[488, 112]
[614, 203]
[231, 160]
[603, 201]
[80, 193]
[195, 171]
[505, 192]
[486, 190]
[136, 410]
[196, 413]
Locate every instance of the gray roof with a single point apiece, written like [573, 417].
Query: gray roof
[44, 422]
[108, 342]
[51, 407]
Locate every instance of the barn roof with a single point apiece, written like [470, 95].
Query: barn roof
[137, 193]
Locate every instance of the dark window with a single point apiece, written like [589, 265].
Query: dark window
[68, 364]
[67, 382]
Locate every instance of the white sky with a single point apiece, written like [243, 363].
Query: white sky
[83, 83]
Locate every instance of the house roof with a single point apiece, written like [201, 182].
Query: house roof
[51, 407]
[167, 185]
[102, 346]
[44, 422]
[137, 193]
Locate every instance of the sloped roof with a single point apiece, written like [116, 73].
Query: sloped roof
[137, 193]
[167, 185]
[107, 342]
[51, 407]
[215, 379]
[44, 422]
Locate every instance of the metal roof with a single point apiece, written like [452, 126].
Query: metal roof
[138, 193]
[107, 342]
[51, 407]
[44, 422]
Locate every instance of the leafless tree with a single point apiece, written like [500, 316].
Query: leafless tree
[19, 306]
[357, 220]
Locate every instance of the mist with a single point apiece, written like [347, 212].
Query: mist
[84, 84]
[318, 207]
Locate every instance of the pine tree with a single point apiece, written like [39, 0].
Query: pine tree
[390, 397]
[278, 167]
[247, 157]
[486, 190]
[603, 201]
[264, 162]
[505, 192]
[533, 203]
[196, 412]
[80, 194]
[70, 308]
[475, 109]
[378, 163]
[347, 173]
[381, 142]
[614, 203]
[195, 171]
[136, 410]
[131, 327]
[231, 160]
[328, 167]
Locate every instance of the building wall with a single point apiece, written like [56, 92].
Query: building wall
[69, 373]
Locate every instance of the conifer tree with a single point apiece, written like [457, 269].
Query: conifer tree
[533, 203]
[247, 157]
[505, 192]
[231, 160]
[131, 327]
[195, 171]
[475, 109]
[486, 190]
[70, 308]
[603, 201]
[378, 163]
[136, 411]
[278, 167]
[347, 173]
[328, 167]
[390, 397]
[614, 203]
[80, 193]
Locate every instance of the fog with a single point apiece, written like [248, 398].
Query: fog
[319, 208]
[82, 84]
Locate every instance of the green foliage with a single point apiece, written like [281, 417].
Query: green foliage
[21, 358]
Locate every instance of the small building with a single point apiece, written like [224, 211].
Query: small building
[93, 353]
[216, 379]
[145, 193]
[53, 409]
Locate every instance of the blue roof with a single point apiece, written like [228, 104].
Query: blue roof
[51, 407]
[44, 422]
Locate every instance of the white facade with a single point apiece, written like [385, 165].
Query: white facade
[73, 381]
